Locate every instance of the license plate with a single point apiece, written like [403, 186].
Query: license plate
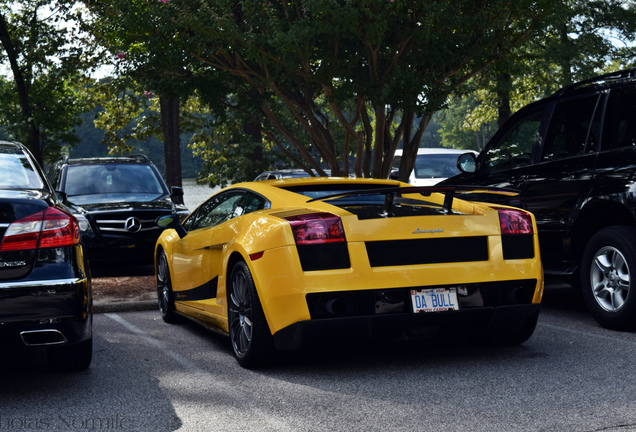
[434, 300]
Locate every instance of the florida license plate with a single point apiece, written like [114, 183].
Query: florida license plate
[434, 300]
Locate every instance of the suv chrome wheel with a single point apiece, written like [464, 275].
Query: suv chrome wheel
[609, 279]
[608, 262]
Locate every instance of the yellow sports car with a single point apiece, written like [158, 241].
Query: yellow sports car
[278, 262]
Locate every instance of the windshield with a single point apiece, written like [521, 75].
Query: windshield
[436, 165]
[16, 172]
[112, 182]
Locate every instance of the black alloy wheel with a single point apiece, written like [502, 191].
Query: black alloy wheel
[249, 333]
[607, 267]
[164, 291]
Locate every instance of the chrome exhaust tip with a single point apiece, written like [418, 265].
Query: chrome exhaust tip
[42, 337]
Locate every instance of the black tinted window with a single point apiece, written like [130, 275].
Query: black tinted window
[514, 148]
[570, 127]
[619, 129]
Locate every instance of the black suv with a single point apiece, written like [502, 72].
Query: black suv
[45, 285]
[117, 201]
[572, 157]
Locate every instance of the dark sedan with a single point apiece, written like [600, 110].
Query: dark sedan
[45, 289]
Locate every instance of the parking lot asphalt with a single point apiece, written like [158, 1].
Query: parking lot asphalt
[110, 305]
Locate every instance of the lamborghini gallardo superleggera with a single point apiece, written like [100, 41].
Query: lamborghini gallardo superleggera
[275, 264]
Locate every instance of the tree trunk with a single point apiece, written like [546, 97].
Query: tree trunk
[504, 83]
[380, 141]
[410, 148]
[33, 138]
[252, 130]
[566, 58]
[171, 139]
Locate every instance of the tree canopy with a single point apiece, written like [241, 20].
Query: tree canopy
[327, 84]
[40, 98]
[326, 81]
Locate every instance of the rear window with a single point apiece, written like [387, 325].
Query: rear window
[373, 206]
[321, 191]
[16, 172]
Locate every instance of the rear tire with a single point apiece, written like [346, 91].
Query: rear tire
[607, 285]
[165, 295]
[75, 357]
[250, 337]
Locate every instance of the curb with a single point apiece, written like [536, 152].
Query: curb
[124, 306]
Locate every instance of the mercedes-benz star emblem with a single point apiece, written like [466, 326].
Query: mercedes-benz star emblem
[132, 224]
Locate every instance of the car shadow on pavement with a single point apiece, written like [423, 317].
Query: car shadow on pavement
[110, 395]
[563, 296]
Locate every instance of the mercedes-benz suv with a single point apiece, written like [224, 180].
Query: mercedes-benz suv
[572, 157]
[117, 201]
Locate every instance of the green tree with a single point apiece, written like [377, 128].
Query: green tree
[323, 79]
[42, 102]
[460, 129]
[584, 38]
[145, 62]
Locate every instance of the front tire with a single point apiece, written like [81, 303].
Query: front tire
[249, 333]
[608, 274]
[164, 291]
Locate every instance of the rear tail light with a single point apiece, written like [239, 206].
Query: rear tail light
[515, 221]
[46, 229]
[317, 228]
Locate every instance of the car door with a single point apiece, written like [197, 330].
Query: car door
[560, 180]
[508, 158]
[197, 257]
[616, 162]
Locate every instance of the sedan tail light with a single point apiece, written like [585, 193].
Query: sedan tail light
[315, 228]
[515, 221]
[46, 229]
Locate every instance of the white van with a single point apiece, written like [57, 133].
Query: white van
[432, 165]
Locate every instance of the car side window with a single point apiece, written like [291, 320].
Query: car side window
[217, 210]
[514, 149]
[571, 125]
[619, 129]
[250, 202]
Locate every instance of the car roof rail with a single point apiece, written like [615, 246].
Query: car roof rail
[624, 74]
[140, 157]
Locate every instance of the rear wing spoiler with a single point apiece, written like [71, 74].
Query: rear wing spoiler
[449, 193]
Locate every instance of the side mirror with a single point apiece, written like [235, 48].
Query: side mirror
[172, 222]
[177, 194]
[467, 163]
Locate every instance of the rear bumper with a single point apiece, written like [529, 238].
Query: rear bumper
[40, 313]
[470, 323]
